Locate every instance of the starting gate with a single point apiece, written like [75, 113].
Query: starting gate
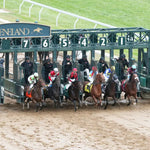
[104, 42]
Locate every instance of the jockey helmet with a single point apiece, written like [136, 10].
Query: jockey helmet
[133, 67]
[112, 68]
[94, 68]
[75, 69]
[36, 75]
[55, 70]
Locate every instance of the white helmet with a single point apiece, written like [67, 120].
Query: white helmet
[56, 69]
[133, 67]
[36, 74]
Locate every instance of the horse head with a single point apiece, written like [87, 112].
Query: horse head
[100, 77]
[136, 78]
[40, 83]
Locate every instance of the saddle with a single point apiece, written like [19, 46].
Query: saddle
[88, 87]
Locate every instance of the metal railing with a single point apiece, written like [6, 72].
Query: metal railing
[62, 12]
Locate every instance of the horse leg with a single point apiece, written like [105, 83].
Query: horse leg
[74, 102]
[96, 102]
[129, 101]
[106, 102]
[41, 105]
[37, 107]
[114, 100]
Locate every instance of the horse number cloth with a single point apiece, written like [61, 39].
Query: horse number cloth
[88, 87]
[28, 94]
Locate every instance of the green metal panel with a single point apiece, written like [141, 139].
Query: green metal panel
[5, 44]
[143, 81]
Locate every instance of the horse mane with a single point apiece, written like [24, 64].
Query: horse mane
[131, 77]
[97, 79]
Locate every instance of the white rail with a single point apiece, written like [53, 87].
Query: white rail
[63, 12]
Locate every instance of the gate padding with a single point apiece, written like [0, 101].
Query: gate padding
[16, 91]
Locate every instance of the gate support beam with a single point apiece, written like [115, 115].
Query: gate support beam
[103, 54]
[15, 68]
[92, 57]
[35, 60]
[121, 52]
[130, 56]
[111, 57]
[64, 55]
[139, 60]
[7, 65]
[55, 57]
[74, 57]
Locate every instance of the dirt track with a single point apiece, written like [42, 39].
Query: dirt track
[117, 128]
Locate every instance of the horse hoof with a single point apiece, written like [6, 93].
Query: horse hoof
[134, 103]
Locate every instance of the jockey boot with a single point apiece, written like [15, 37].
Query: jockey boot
[138, 94]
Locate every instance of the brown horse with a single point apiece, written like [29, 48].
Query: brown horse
[111, 89]
[36, 94]
[130, 88]
[95, 91]
[74, 93]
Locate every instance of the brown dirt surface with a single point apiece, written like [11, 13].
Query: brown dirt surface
[117, 128]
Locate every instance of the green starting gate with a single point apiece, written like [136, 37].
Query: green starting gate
[26, 37]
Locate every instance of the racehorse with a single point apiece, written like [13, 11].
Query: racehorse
[130, 88]
[54, 92]
[111, 89]
[95, 91]
[74, 93]
[36, 94]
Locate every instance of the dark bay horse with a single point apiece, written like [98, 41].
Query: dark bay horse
[130, 88]
[96, 91]
[36, 94]
[111, 89]
[54, 92]
[74, 93]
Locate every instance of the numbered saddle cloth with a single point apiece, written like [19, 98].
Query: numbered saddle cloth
[88, 87]
[28, 94]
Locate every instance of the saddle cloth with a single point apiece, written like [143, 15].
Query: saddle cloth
[29, 94]
[88, 87]
[123, 85]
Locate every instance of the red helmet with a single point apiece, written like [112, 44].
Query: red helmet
[75, 69]
[52, 73]
[94, 68]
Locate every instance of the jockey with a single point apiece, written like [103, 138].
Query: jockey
[72, 78]
[32, 79]
[92, 74]
[73, 75]
[52, 75]
[131, 70]
[107, 74]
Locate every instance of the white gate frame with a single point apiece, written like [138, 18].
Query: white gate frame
[62, 12]
[3, 3]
